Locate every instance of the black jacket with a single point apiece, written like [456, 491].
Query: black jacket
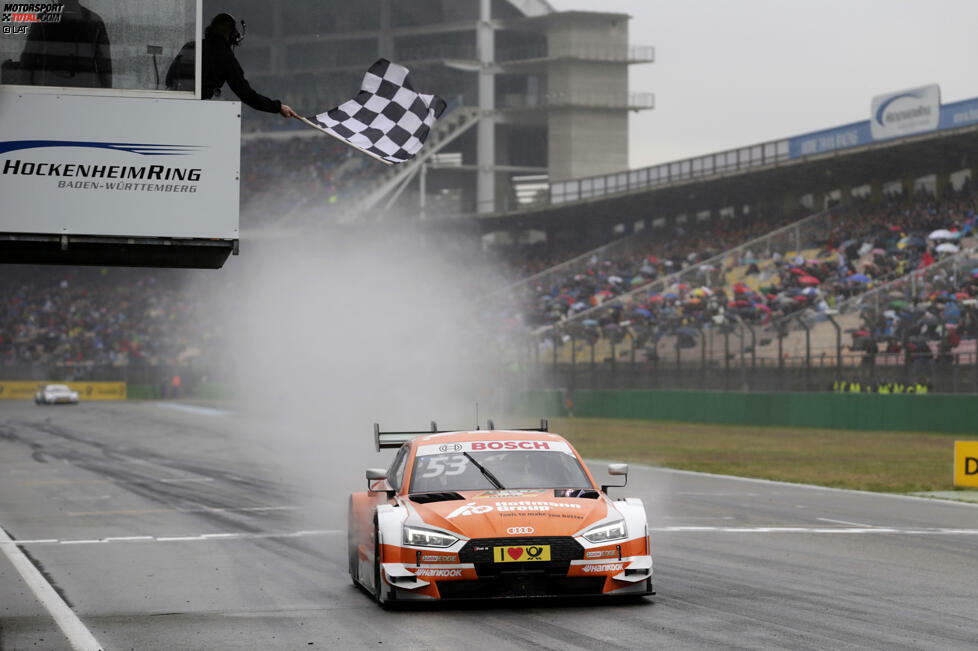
[73, 52]
[219, 65]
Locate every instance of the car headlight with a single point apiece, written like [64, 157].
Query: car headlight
[606, 532]
[427, 538]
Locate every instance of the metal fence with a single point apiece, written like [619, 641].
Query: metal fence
[730, 361]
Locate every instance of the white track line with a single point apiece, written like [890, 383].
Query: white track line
[193, 409]
[847, 530]
[177, 538]
[854, 524]
[80, 638]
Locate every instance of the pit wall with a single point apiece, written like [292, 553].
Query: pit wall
[951, 414]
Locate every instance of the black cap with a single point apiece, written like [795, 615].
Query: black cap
[227, 26]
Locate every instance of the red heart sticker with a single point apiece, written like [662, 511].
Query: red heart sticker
[515, 552]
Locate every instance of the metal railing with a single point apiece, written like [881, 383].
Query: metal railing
[711, 165]
[805, 233]
[917, 285]
[909, 288]
[577, 264]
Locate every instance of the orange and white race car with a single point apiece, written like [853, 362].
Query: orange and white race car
[493, 513]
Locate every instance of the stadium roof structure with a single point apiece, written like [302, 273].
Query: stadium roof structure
[766, 176]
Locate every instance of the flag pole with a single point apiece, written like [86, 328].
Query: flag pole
[345, 142]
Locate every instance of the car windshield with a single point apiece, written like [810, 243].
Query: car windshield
[487, 470]
[58, 388]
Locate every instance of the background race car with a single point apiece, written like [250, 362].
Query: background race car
[56, 394]
[493, 513]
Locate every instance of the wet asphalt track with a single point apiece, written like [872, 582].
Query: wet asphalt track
[172, 529]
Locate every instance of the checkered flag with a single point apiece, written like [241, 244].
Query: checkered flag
[387, 119]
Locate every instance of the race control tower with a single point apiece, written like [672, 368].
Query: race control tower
[100, 162]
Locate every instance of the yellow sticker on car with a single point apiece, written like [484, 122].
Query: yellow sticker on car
[521, 553]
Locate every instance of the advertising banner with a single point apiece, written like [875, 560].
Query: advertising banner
[959, 114]
[820, 142]
[25, 390]
[966, 463]
[905, 112]
[119, 166]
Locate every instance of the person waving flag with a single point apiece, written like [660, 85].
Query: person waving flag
[388, 119]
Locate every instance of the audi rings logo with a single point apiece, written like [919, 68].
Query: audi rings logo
[516, 531]
[450, 448]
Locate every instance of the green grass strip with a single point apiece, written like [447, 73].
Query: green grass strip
[899, 462]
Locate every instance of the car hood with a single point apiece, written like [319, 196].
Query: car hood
[495, 514]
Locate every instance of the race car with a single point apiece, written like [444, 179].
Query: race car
[493, 514]
[55, 394]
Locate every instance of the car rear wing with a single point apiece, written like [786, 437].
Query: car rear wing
[397, 439]
[544, 427]
[385, 440]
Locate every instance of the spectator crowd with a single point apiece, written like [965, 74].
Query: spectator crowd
[853, 251]
[698, 275]
[279, 176]
[87, 316]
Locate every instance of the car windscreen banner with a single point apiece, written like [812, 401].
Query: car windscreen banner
[494, 446]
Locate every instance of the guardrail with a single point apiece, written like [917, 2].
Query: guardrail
[701, 167]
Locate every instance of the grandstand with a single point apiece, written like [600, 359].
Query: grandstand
[788, 298]
[716, 282]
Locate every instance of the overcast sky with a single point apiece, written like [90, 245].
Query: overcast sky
[736, 72]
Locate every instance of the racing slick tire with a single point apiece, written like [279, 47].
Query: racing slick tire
[378, 593]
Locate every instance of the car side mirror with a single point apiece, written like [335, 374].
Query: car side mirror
[379, 474]
[618, 470]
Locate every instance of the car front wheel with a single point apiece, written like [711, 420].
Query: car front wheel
[352, 546]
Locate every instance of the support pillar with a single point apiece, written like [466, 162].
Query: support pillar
[908, 183]
[876, 192]
[385, 39]
[789, 203]
[486, 134]
[845, 195]
[942, 179]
